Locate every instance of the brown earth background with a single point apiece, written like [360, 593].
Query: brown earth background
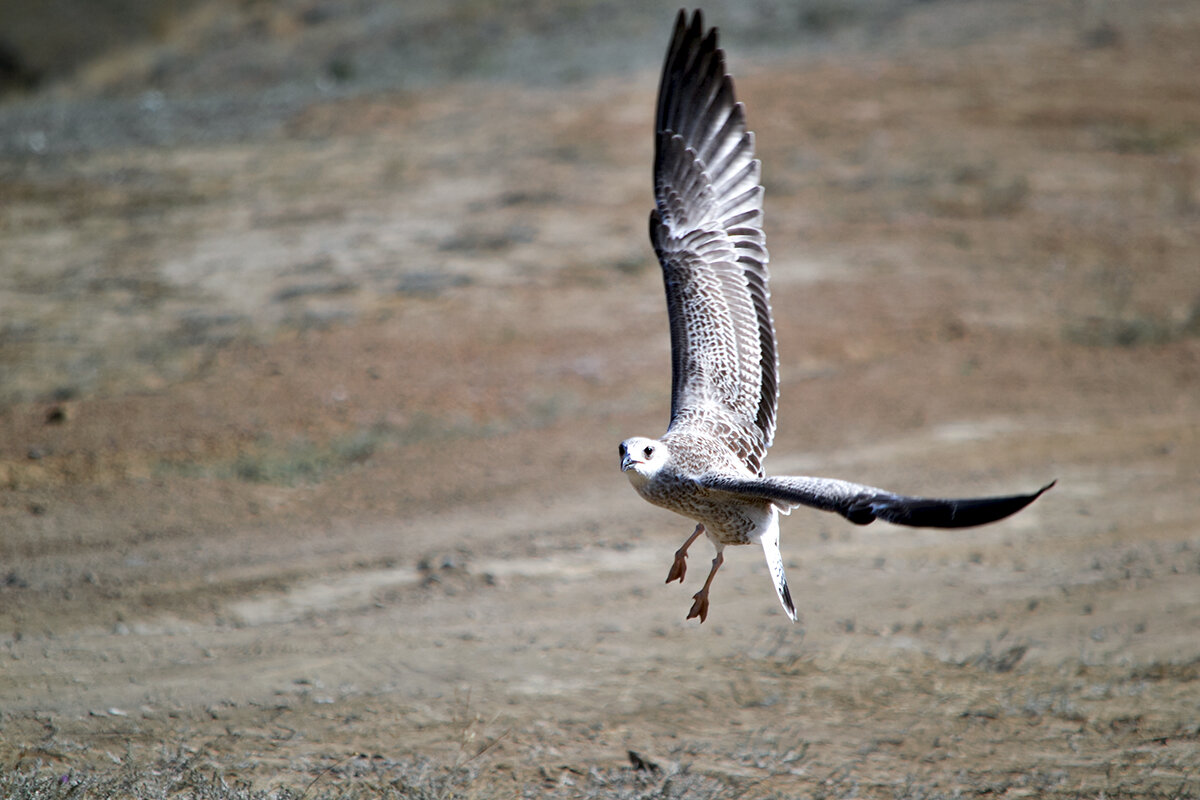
[320, 324]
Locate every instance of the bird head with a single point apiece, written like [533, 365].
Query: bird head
[641, 457]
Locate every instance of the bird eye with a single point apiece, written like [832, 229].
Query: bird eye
[621, 449]
[648, 452]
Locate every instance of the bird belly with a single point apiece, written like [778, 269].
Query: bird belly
[725, 522]
[736, 524]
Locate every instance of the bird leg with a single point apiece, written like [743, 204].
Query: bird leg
[679, 567]
[700, 606]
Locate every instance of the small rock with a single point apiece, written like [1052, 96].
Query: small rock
[642, 764]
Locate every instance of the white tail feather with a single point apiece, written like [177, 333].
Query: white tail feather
[770, 545]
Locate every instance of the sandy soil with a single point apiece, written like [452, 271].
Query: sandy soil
[308, 457]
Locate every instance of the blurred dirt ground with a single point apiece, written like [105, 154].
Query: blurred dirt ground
[308, 444]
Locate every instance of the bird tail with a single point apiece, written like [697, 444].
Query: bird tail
[770, 546]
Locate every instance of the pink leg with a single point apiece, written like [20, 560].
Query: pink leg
[679, 567]
[700, 606]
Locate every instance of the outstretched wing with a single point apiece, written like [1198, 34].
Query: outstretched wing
[707, 232]
[863, 504]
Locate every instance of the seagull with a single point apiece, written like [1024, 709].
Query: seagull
[706, 229]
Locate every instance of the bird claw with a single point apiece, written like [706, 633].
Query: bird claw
[678, 567]
[699, 606]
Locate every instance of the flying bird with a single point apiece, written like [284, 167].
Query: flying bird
[706, 229]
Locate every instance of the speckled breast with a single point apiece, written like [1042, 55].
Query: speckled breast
[724, 521]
